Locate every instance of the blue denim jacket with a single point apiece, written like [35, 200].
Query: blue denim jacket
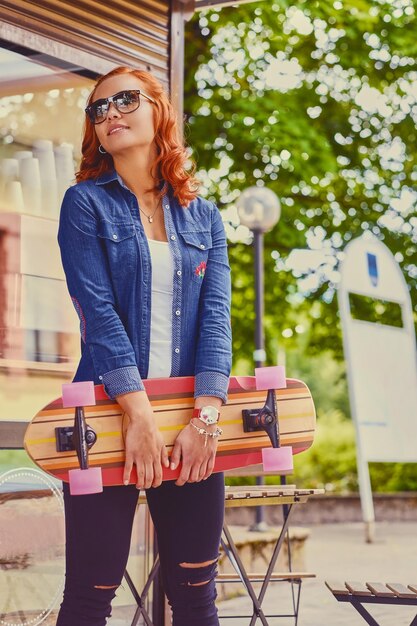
[107, 263]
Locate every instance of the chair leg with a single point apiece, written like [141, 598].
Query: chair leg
[297, 607]
[365, 614]
[141, 611]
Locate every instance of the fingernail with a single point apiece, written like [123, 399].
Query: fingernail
[172, 466]
[126, 482]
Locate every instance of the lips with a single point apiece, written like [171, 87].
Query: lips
[116, 129]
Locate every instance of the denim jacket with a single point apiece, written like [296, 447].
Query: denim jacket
[107, 263]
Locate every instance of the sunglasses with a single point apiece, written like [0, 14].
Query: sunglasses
[125, 101]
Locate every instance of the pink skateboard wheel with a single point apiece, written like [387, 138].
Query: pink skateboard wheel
[277, 459]
[270, 377]
[85, 481]
[78, 394]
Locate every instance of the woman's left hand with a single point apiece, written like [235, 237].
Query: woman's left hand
[197, 457]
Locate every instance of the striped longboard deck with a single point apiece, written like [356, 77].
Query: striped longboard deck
[172, 400]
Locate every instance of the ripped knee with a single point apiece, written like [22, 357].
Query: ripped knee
[205, 570]
[105, 586]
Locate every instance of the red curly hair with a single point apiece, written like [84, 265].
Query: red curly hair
[170, 164]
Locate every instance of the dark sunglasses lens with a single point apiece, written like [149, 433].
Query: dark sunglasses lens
[127, 101]
[98, 111]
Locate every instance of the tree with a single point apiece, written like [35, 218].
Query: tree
[317, 101]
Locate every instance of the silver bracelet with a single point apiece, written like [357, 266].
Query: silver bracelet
[202, 431]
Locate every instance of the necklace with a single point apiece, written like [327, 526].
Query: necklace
[150, 217]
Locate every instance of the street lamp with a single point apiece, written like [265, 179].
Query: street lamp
[259, 209]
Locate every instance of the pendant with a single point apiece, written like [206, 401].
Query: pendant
[150, 219]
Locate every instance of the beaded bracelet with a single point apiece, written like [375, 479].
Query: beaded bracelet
[206, 433]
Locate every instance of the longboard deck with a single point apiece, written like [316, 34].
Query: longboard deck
[172, 400]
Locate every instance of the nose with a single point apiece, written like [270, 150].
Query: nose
[113, 112]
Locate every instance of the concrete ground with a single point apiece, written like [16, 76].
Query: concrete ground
[339, 551]
[333, 551]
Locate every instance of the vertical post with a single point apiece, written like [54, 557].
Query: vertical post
[181, 11]
[367, 503]
[365, 488]
[259, 352]
[258, 245]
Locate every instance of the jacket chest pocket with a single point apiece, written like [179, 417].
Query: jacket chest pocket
[196, 245]
[120, 242]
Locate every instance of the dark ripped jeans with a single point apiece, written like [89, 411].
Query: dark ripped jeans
[188, 521]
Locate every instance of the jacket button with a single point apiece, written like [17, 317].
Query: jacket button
[177, 312]
[173, 237]
[179, 273]
[202, 246]
[114, 236]
[176, 350]
[100, 377]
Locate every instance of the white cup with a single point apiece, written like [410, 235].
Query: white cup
[23, 154]
[44, 152]
[31, 185]
[9, 170]
[64, 160]
[13, 197]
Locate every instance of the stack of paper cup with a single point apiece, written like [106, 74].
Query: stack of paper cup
[9, 172]
[13, 197]
[23, 154]
[31, 184]
[44, 152]
[65, 171]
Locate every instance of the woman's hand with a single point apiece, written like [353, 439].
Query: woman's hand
[145, 449]
[197, 456]
[144, 445]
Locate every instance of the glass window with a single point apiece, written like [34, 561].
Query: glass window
[41, 119]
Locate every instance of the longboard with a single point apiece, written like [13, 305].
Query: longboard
[172, 401]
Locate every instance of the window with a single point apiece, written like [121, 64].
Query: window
[41, 117]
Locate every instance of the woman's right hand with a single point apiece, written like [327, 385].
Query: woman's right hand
[144, 445]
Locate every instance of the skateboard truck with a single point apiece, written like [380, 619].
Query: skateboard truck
[278, 458]
[80, 437]
[67, 438]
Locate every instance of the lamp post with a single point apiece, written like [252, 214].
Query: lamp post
[259, 209]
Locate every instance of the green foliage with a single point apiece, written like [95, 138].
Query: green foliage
[391, 477]
[331, 461]
[11, 459]
[324, 375]
[316, 101]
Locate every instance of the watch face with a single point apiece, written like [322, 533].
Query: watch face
[209, 414]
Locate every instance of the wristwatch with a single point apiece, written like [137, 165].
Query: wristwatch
[207, 414]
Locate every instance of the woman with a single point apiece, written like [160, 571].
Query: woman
[147, 270]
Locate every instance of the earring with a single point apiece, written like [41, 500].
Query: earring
[101, 149]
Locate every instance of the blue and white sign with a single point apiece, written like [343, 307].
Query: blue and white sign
[381, 359]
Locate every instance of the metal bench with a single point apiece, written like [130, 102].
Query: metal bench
[358, 594]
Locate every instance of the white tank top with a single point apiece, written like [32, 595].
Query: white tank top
[160, 355]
